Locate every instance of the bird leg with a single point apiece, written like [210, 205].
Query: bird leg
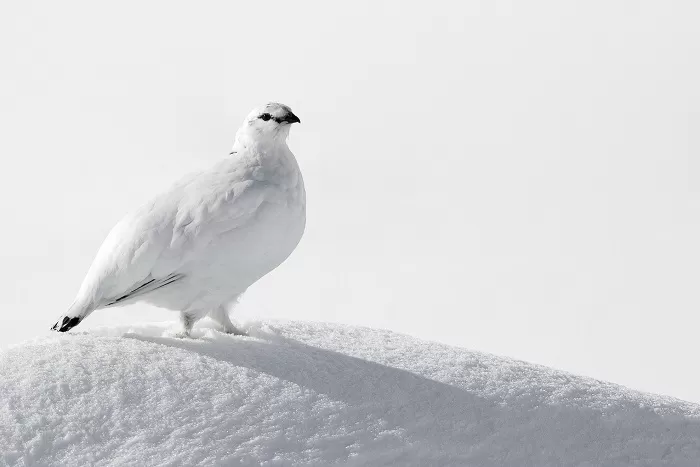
[220, 315]
[187, 319]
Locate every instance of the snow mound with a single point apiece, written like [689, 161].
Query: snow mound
[317, 394]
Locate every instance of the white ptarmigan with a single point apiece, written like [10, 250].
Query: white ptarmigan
[197, 247]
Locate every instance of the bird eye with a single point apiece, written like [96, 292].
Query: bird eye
[265, 117]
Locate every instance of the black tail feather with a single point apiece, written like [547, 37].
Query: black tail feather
[66, 324]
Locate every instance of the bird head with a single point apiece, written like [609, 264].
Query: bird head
[271, 121]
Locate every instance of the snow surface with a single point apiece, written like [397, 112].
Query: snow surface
[317, 394]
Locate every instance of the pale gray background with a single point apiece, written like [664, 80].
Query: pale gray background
[514, 177]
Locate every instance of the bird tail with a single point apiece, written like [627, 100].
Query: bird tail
[71, 318]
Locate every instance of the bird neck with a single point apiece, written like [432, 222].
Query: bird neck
[269, 150]
[254, 139]
[257, 145]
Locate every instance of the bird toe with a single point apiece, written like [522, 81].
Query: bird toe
[233, 330]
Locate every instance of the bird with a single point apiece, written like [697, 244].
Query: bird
[198, 246]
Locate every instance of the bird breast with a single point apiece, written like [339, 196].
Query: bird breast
[257, 238]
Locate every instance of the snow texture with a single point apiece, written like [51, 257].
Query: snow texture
[317, 394]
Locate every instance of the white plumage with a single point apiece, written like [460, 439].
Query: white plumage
[197, 247]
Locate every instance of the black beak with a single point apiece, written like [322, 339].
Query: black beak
[291, 118]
